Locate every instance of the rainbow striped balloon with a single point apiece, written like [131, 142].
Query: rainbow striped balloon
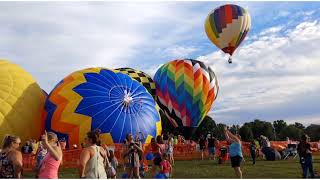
[185, 89]
[227, 26]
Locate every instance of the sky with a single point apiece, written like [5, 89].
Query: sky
[275, 72]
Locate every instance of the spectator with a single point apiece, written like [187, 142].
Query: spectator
[211, 147]
[140, 138]
[111, 172]
[11, 158]
[202, 145]
[50, 164]
[253, 151]
[131, 152]
[305, 154]
[26, 149]
[93, 158]
[165, 137]
[42, 151]
[235, 150]
[170, 149]
[165, 166]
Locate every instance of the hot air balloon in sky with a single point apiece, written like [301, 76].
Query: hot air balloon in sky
[141, 77]
[104, 99]
[21, 103]
[186, 89]
[227, 26]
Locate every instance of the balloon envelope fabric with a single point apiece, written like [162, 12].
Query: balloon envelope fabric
[227, 26]
[99, 98]
[141, 77]
[21, 103]
[186, 89]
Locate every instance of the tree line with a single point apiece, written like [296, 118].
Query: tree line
[277, 130]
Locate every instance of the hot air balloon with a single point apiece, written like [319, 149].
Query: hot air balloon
[227, 26]
[185, 89]
[99, 98]
[141, 77]
[21, 103]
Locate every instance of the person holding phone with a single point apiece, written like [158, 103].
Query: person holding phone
[131, 153]
[49, 166]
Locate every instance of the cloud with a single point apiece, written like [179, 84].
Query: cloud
[53, 39]
[272, 77]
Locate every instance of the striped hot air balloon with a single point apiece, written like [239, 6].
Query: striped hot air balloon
[227, 26]
[141, 77]
[186, 89]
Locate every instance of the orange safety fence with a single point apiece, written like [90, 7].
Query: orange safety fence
[181, 152]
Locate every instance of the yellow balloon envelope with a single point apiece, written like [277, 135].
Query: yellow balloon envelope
[21, 103]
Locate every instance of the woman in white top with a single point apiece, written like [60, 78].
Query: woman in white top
[93, 158]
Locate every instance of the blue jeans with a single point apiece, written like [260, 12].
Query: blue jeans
[306, 165]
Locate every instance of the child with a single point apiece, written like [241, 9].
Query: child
[114, 164]
[253, 151]
[165, 166]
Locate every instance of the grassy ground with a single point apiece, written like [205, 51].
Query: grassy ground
[210, 169]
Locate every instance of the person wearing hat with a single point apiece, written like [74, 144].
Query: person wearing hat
[305, 154]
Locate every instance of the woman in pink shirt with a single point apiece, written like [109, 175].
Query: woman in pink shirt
[165, 166]
[50, 164]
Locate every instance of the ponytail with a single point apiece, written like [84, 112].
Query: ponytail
[8, 140]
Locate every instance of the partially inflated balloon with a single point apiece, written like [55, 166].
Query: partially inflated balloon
[186, 89]
[21, 103]
[227, 26]
[104, 99]
[141, 77]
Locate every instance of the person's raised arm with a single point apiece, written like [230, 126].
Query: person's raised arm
[56, 152]
[84, 158]
[233, 137]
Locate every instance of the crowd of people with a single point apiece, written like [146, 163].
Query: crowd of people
[97, 161]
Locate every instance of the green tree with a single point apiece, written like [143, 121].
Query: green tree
[259, 127]
[299, 125]
[292, 132]
[207, 125]
[313, 131]
[219, 131]
[246, 132]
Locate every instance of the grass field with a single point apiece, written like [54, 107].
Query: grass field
[210, 169]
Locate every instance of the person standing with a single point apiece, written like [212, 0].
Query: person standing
[253, 151]
[202, 144]
[131, 152]
[305, 154]
[93, 158]
[49, 166]
[165, 166]
[235, 150]
[170, 149]
[211, 147]
[10, 158]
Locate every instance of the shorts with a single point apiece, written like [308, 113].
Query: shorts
[211, 150]
[157, 161]
[236, 161]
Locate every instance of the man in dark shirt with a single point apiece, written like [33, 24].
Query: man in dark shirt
[305, 154]
[202, 144]
[211, 147]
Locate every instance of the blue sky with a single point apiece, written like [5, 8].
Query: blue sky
[275, 74]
